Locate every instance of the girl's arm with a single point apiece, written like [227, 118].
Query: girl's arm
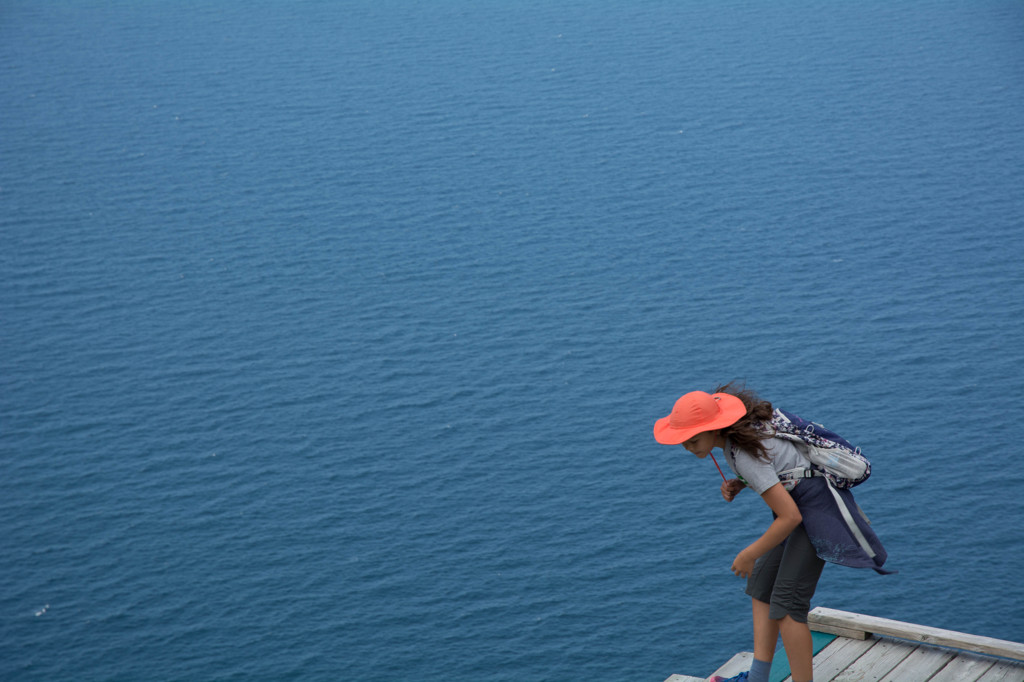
[787, 518]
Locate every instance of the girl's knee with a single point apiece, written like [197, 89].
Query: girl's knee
[796, 609]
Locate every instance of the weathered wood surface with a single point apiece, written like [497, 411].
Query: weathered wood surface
[831, 618]
[883, 650]
[964, 668]
[838, 656]
[876, 662]
[888, 659]
[922, 663]
[734, 666]
[884, 659]
[1004, 672]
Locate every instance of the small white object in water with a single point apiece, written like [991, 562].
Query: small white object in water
[42, 610]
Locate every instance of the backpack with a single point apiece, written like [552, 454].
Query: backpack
[830, 455]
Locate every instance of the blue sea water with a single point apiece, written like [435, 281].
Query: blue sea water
[332, 334]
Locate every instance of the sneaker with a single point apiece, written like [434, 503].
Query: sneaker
[742, 677]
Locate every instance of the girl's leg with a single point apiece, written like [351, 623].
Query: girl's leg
[766, 631]
[796, 638]
[795, 584]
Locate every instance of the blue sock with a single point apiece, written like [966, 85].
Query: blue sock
[759, 671]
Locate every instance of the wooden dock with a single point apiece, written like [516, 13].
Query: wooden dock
[850, 647]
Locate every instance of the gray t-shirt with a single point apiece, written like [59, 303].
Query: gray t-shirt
[759, 474]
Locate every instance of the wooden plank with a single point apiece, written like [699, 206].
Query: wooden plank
[838, 656]
[877, 662]
[835, 630]
[824, 617]
[920, 665]
[736, 664]
[1004, 671]
[964, 668]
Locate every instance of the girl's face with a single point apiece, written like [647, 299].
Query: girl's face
[702, 444]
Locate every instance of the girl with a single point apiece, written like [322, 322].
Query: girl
[782, 567]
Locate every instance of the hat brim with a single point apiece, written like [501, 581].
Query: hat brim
[732, 410]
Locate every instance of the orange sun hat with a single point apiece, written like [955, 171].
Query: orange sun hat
[697, 412]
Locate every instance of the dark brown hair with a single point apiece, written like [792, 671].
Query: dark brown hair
[748, 432]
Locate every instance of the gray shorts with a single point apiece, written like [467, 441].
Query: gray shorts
[785, 578]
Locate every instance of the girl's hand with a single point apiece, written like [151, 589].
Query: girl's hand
[731, 487]
[743, 564]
